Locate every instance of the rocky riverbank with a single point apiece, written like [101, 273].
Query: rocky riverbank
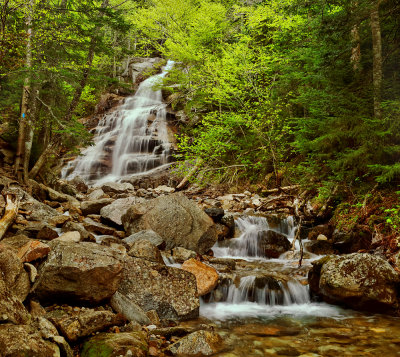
[84, 269]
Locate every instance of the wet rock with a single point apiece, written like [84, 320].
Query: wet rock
[148, 235]
[97, 228]
[223, 231]
[170, 291]
[133, 312]
[180, 222]
[47, 233]
[94, 207]
[215, 213]
[33, 250]
[132, 344]
[84, 272]
[79, 323]
[73, 236]
[24, 340]
[146, 250]
[229, 221]
[319, 247]
[113, 213]
[223, 264]
[272, 244]
[199, 343]
[206, 276]
[180, 254]
[361, 281]
[73, 226]
[115, 187]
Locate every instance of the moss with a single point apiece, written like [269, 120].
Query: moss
[95, 348]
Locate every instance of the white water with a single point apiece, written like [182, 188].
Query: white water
[257, 293]
[132, 139]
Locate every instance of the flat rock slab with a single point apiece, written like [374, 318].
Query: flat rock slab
[113, 212]
[94, 207]
[84, 272]
[172, 292]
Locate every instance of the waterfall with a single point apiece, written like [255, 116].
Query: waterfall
[130, 140]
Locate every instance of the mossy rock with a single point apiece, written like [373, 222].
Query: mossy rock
[116, 344]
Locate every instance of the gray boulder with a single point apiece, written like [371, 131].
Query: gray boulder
[146, 250]
[272, 244]
[179, 221]
[113, 213]
[170, 291]
[133, 312]
[360, 281]
[83, 272]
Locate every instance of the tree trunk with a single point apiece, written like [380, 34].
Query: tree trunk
[10, 214]
[50, 149]
[355, 57]
[377, 58]
[24, 122]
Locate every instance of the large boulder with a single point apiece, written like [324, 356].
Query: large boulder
[206, 276]
[25, 340]
[172, 292]
[360, 281]
[112, 214]
[132, 344]
[83, 272]
[179, 221]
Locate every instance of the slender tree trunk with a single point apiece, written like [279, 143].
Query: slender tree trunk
[355, 57]
[377, 58]
[24, 122]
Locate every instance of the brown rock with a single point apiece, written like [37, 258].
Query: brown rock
[146, 250]
[47, 233]
[206, 276]
[33, 250]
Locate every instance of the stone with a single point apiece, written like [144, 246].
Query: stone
[222, 231]
[172, 292]
[133, 312]
[215, 213]
[81, 272]
[359, 238]
[94, 207]
[180, 254]
[272, 244]
[11, 308]
[199, 343]
[148, 235]
[73, 226]
[322, 229]
[12, 272]
[115, 187]
[319, 247]
[79, 323]
[206, 276]
[97, 228]
[112, 213]
[146, 250]
[164, 189]
[25, 340]
[179, 221]
[133, 344]
[33, 250]
[360, 281]
[16, 242]
[47, 233]
[73, 236]
[322, 237]
[96, 195]
[32, 272]
[229, 221]
[79, 184]
[59, 221]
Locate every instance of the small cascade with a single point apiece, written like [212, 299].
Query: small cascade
[249, 243]
[131, 140]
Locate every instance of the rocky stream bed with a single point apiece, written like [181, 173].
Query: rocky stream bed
[140, 270]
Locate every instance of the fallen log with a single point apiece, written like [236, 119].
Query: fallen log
[191, 173]
[280, 189]
[10, 213]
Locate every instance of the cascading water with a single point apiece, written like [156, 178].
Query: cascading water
[130, 140]
[259, 286]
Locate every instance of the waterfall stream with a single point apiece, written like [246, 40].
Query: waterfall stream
[130, 140]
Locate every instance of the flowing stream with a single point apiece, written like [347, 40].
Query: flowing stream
[130, 140]
[263, 307]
